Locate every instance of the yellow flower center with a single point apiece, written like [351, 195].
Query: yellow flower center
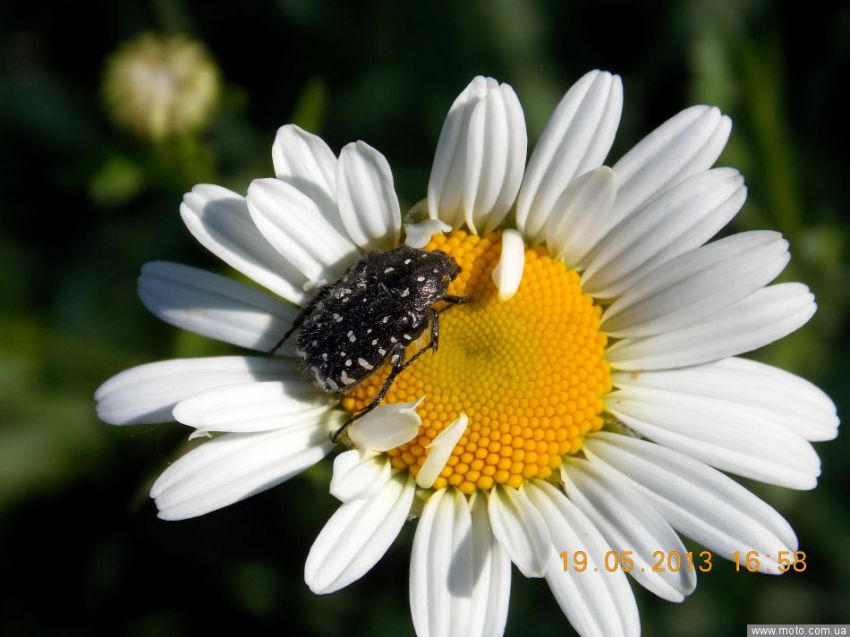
[528, 372]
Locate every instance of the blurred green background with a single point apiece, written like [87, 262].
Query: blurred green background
[84, 204]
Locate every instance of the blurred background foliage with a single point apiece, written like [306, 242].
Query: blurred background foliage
[84, 203]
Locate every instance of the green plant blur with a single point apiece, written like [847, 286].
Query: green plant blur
[84, 205]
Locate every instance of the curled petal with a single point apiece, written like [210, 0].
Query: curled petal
[507, 275]
[439, 452]
[386, 427]
[418, 235]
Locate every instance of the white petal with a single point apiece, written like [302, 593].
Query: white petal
[761, 318]
[294, 224]
[520, 530]
[439, 452]
[597, 602]
[218, 218]
[759, 390]
[253, 406]
[480, 156]
[418, 235]
[459, 576]
[306, 161]
[693, 286]
[507, 275]
[719, 434]
[359, 474]
[368, 205]
[445, 185]
[445, 189]
[441, 567]
[580, 216]
[576, 140]
[629, 523]
[234, 466]
[686, 144]
[695, 499]
[356, 536]
[491, 574]
[214, 306]
[148, 393]
[386, 427]
[672, 223]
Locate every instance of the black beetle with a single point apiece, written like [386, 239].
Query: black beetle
[368, 316]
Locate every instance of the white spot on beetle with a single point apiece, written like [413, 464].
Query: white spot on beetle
[386, 319]
[346, 379]
[324, 356]
[405, 292]
[348, 363]
[420, 278]
[406, 261]
[364, 363]
[382, 351]
[407, 337]
[390, 269]
[352, 338]
[393, 339]
[375, 342]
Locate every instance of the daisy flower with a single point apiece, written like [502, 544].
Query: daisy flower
[589, 398]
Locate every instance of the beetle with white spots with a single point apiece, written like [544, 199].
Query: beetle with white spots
[382, 303]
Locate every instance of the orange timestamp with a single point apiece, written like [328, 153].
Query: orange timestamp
[676, 561]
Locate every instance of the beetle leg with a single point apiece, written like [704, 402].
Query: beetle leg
[295, 325]
[435, 333]
[399, 365]
[453, 299]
